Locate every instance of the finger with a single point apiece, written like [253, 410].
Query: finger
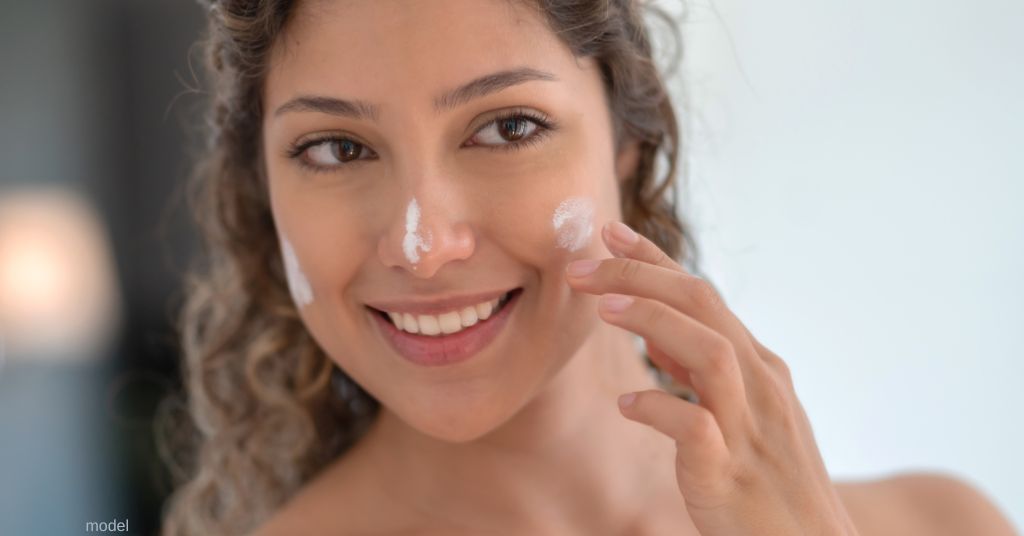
[625, 242]
[686, 423]
[686, 292]
[772, 359]
[682, 291]
[669, 365]
[650, 270]
[702, 448]
[707, 355]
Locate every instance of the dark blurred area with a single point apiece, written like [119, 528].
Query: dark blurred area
[101, 121]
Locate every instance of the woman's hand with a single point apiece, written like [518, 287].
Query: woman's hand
[746, 459]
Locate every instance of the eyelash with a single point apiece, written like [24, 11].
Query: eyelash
[545, 126]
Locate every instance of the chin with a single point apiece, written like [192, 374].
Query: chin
[457, 421]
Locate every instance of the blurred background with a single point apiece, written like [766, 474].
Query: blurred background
[855, 180]
[96, 135]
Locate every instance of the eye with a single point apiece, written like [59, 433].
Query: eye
[325, 153]
[511, 131]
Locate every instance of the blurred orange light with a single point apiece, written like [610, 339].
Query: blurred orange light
[58, 291]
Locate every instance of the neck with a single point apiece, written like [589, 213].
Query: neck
[567, 460]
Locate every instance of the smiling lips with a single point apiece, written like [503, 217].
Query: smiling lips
[447, 331]
[446, 323]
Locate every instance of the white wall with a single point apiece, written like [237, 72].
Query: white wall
[857, 182]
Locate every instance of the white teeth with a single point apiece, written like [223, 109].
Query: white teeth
[483, 310]
[468, 316]
[450, 323]
[429, 325]
[409, 323]
[447, 323]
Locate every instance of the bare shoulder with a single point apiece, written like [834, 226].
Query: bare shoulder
[924, 503]
[347, 499]
[343, 500]
[312, 513]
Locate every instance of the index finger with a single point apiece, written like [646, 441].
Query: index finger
[625, 242]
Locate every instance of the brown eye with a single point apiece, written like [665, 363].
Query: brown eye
[330, 152]
[513, 128]
[506, 131]
[345, 150]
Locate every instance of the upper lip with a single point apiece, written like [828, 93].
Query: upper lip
[435, 305]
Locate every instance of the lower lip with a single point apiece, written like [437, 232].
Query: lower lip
[432, 351]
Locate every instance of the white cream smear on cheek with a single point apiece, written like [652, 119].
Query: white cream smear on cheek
[573, 222]
[413, 240]
[302, 292]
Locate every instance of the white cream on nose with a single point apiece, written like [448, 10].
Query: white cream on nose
[298, 285]
[413, 240]
[573, 222]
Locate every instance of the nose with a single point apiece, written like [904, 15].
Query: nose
[426, 235]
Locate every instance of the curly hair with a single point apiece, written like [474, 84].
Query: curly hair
[266, 408]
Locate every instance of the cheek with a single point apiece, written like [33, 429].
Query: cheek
[547, 232]
[555, 212]
[327, 241]
[298, 282]
[553, 218]
[573, 223]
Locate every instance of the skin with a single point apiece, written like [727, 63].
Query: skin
[488, 213]
[526, 435]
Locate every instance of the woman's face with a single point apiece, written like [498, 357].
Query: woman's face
[394, 191]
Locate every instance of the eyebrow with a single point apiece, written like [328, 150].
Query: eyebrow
[357, 109]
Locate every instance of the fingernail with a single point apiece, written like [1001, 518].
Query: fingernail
[623, 233]
[626, 400]
[616, 303]
[582, 267]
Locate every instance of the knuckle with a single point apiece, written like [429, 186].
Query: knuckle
[749, 425]
[719, 354]
[763, 445]
[777, 411]
[704, 427]
[628, 270]
[656, 314]
[704, 294]
[714, 484]
[682, 284]
[705, 490]
[662, 258]
[758, 445]
[781, 369]
[778, 395]
[741, 477]
[776, 366]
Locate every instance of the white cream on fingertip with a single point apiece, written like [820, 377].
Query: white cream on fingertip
[298, 285]
[413, 240]
[573, 222]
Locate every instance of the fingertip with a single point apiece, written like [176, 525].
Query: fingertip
[621, 232]
[582, 267]
[616, 303]
[606, 236]
[625, 401]
[619, 238]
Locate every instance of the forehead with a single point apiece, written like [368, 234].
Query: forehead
[374, 49]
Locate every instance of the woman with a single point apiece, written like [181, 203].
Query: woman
[424, 201]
